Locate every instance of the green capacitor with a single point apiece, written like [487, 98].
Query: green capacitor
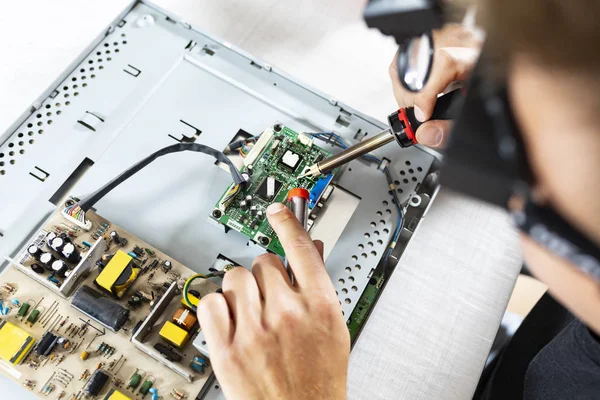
[23, 309]
[32, 319]
[146, 386]
[135, 380]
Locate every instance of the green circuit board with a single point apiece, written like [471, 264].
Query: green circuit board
[278, 163]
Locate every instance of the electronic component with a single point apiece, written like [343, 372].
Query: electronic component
[46, 259]
[277, 161]
[23, 310]
[96, 383]
[37, 268]
[114, 394]
[118, 275]
[58, 243]
[198, 364]
[185, 319]
[46, 344]
[35, 251]
[33, 317]
[318, 189]
[194, 299]
[71, 254]
[84, 355]
[15, 343]
[166, 266]
[118, 239]
[146, 386]
[168, 352]
[290, 160]
[136, 379]
[269, 188]
[174, 334]
[101, 309]
[59, 267]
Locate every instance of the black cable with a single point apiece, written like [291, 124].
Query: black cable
[91, 199]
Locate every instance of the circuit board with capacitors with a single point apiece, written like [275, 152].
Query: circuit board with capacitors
[275, 165]
[60, 344]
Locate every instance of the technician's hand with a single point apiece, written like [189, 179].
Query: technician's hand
[456, 52]
[271, 340]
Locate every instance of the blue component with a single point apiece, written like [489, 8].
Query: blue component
[154, 392]
[132, 254]
[51, 278]
[198, 363]
[318, 189]
[16, 302]
[86, 244]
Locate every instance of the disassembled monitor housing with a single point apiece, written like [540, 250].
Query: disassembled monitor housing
[148, 81]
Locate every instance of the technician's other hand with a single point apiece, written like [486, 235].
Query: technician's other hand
[271, 340]
[456, 52]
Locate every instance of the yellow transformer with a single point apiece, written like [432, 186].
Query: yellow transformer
[114, 394]
[175, 335]
[118, 275]
[15, 343]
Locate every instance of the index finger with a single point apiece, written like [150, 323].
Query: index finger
[304, 258]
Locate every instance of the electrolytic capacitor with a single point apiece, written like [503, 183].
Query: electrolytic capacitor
[118, 239]
[60, 268]
[37, 268]
[249, 200]
[253, 210]
[260, 215]
[49, 237]
[71, 253]
[250, 169]
[57, 244]
[243, 205]
[47, 259]
[34, 251]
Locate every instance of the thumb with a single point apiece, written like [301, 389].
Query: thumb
[434, 133]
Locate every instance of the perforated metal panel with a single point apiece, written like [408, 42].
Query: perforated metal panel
[152, 80]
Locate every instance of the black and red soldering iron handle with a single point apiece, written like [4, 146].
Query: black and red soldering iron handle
[403, 128]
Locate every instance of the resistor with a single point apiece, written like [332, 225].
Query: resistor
[99, 365]
[135, 379]
[33, 317]
[118, 382]
[60, 359]
[74, 332]
[69, 328]
[61, 395]
[29, 384]
[85, 375]
[8, 288]
[146, 386]
[63, 322]
[46, 390]
[23, 310]
[178, 394]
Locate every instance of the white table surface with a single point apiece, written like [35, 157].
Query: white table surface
[429, 336]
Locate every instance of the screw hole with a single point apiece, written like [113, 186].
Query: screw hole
[341, 281]
[407, 163]
[419, 169]
[20, 135]
[22, 151]
[348, 269]
[367, 235]
[354, 289]
[348, 301]
[344, 290]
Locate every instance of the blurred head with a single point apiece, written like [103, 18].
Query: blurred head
[552, 67]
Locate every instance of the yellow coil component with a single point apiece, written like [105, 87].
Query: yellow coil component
[193, 299]
[15, 343]
[114, 394]
[173, 334]
[84, 355]
[118, 275]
